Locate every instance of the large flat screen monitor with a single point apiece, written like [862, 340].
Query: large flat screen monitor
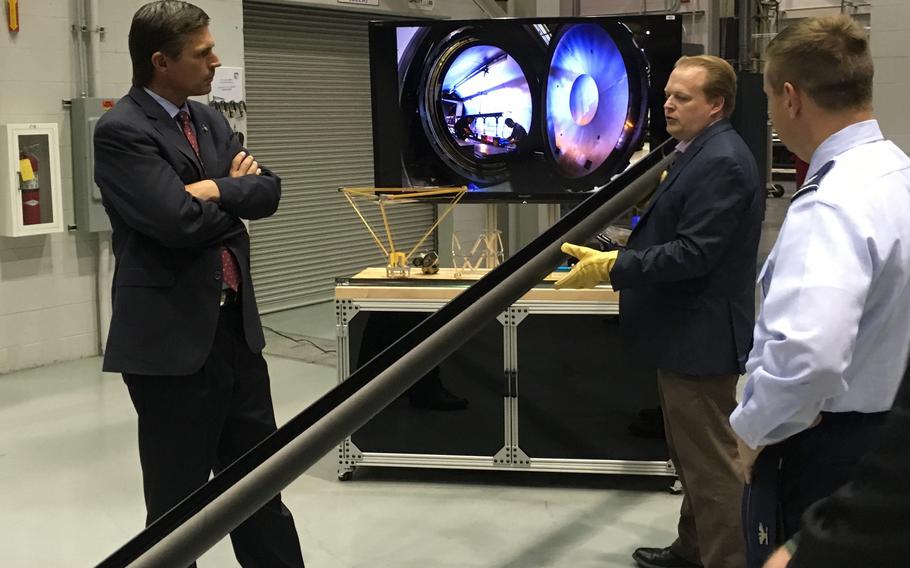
[517, 109]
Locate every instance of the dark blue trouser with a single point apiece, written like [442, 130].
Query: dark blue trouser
[193, 425]
[793, 474]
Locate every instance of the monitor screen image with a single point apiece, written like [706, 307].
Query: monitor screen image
[524, 110]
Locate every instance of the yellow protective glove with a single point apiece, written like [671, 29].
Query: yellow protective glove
[593, 267]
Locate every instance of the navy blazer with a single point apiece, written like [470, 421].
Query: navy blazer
[167, 278]
[687, 276]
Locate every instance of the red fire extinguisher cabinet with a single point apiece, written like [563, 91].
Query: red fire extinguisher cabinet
[31, 203]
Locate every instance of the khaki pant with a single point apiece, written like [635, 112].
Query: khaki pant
[703, 449]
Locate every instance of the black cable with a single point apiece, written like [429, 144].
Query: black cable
[286, 335]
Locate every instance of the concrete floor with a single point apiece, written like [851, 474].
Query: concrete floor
[71, 493]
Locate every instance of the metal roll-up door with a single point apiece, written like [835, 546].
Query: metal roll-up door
[309, 120]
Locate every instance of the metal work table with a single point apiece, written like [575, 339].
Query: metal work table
[549, 383]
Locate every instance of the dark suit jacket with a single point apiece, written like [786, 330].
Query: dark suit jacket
[687, 276]
[167, 280]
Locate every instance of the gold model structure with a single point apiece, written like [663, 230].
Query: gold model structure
[397, 266]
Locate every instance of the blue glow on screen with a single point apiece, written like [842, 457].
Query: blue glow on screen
[484, 79]
[587, 99]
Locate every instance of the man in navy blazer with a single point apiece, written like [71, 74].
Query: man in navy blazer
[687, 283]
[185, 330]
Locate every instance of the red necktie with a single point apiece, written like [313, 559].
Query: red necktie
[228, 263]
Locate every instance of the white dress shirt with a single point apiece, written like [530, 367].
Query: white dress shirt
[833, 332]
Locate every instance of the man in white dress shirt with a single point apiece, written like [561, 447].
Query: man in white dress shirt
[834, 327]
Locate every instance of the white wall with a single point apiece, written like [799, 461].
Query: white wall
[890, 45]
[48, 308]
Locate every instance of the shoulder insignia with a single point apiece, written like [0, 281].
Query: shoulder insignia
[813, 182]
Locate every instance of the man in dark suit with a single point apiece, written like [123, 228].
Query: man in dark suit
[686, 282]
[185, 331]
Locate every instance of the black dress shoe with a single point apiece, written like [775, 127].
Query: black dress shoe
[661, 558]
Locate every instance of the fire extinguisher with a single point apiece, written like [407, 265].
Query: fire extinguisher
[28, 185]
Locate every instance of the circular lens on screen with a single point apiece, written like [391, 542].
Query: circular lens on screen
[483, 96]
[583, 99]
[587, 99]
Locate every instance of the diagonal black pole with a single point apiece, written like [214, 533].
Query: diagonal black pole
[205, 517]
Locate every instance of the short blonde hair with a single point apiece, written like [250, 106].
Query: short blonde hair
[720, 78]
[827, 58]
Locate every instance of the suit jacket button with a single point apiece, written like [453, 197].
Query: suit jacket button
[217, 275]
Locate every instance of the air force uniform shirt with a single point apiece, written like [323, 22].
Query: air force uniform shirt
[834, 328]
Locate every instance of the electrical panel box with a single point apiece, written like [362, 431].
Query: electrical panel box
[84, 114]
[32, 202]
